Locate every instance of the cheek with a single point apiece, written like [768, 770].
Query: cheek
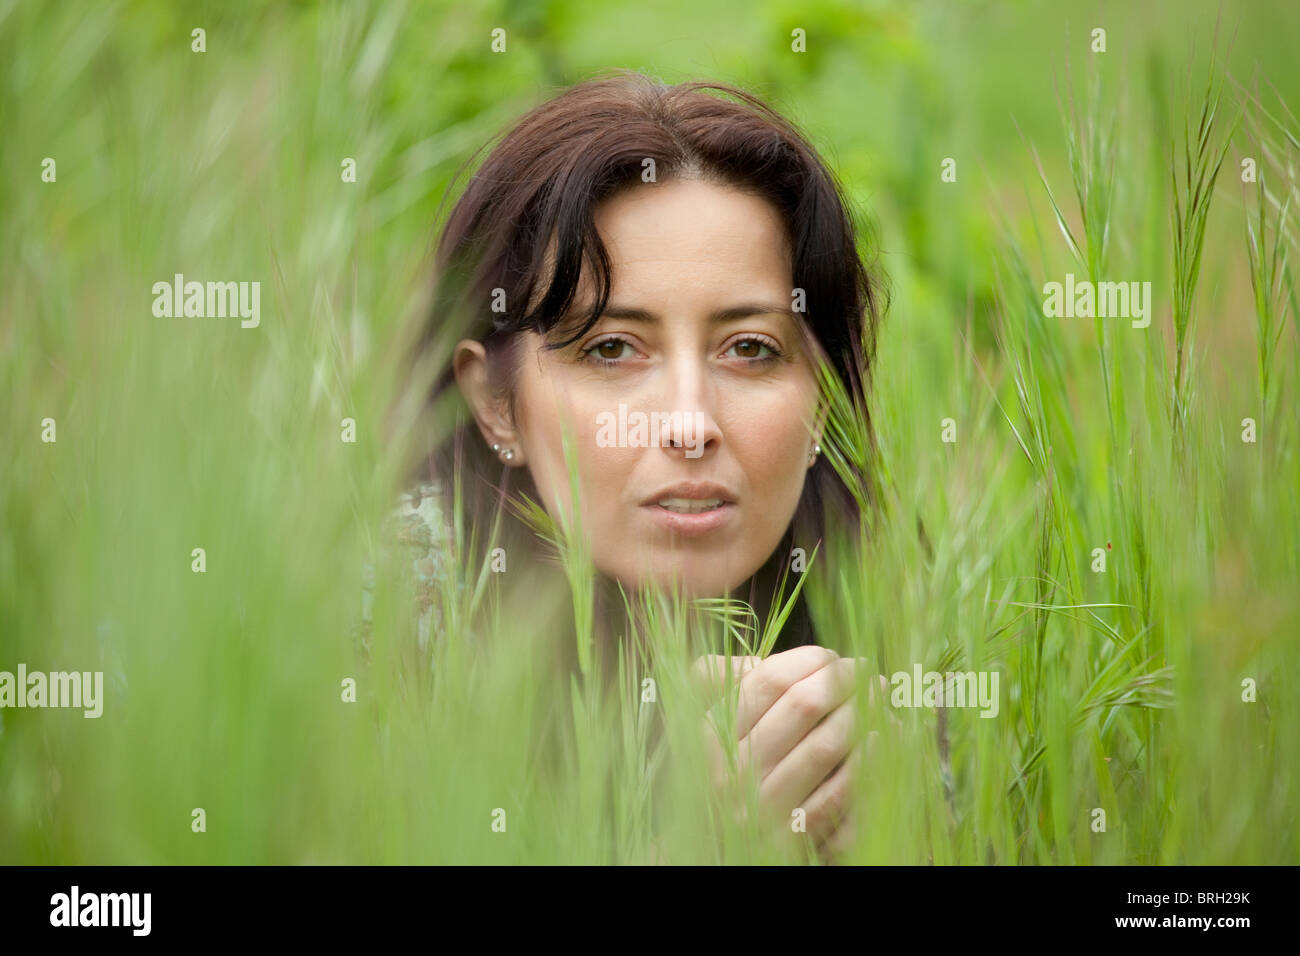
[542, 410]
[603, 472]
[772, 441]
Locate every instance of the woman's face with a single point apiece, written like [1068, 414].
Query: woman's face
[696, 376]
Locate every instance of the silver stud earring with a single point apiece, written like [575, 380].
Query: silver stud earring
[817, 450]
[507, 455]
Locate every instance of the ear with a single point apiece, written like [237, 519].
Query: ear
[491, 410]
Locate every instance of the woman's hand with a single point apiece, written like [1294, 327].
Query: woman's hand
[796, 723]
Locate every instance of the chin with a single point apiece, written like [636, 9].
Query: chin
[693, 580]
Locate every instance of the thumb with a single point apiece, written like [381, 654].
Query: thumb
[711, 672]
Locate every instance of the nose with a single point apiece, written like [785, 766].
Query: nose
[691, 429]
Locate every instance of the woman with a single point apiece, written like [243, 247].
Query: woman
[657, 272]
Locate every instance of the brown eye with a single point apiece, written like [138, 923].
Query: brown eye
[608, 352]
[751, 350]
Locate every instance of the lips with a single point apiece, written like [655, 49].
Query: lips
[692, 508]
[692, 496]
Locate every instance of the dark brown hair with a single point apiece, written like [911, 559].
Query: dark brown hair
[525, 225]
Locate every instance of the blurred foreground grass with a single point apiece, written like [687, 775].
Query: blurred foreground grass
[1122, 690]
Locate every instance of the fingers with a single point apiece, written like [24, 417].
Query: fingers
[832, 820]
[811, 761]
[827, 807]
[762, 681]
[797, 719]
[763, 686]
[795, 714]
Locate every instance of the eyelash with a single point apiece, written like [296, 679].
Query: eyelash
[586, 355]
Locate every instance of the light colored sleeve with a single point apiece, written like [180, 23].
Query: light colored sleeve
[418, 532]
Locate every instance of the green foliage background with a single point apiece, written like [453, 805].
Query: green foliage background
[1121, 690]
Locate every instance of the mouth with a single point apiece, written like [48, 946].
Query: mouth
[686, 517]
[690, 506]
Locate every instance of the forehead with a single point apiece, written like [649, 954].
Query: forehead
[688, 235]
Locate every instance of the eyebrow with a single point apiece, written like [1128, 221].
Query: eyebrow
[730, 314]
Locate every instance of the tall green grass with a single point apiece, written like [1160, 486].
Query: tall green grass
[1120, 690]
